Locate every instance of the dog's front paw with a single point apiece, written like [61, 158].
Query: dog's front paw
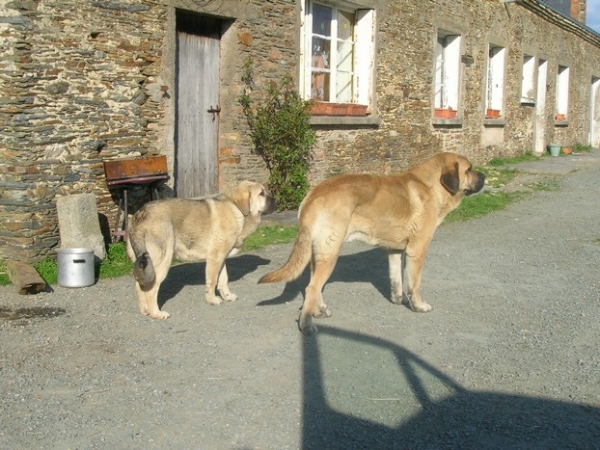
[213, 300]
[228, 296]
[400, 299]
[161, 315]
[323, 311]
[308, 329]
[420, 307]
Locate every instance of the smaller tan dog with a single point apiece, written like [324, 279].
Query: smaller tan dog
[208, 229]
[397, 212]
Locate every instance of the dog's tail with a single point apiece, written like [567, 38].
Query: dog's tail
[299, 258]
[143, 269]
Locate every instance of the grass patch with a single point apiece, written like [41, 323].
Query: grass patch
[4, 280]
[581, 148]
[48, 270]
[546, 184]
[268, 235]
[525, 157]
[482, 204]
[498, 177]
[115, 264]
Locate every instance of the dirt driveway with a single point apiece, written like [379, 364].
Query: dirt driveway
[509, 357]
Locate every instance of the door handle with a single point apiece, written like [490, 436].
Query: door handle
[214, 111]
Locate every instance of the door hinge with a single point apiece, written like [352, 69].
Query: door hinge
[214, 111]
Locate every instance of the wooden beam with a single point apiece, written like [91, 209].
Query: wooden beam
[25, 278]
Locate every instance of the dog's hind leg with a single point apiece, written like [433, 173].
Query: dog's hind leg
[149, 303]
[151, 297]
[162, 263]
[313, 305]
[396, 266]
[142, 299]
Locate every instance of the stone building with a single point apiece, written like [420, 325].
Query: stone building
[84, 81]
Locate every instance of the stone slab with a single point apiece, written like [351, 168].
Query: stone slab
[78, 223]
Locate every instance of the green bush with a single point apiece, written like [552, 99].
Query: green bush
[281, 134]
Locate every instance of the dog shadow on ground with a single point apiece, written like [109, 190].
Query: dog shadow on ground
[458, 419]
[194, 274]
[370, 266]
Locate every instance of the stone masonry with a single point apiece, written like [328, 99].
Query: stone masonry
[84, 81]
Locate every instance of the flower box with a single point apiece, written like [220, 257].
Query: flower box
[356, 110]
[444, 113]
[319, 108]
[338, 109]
[560, 117]
[492, 113]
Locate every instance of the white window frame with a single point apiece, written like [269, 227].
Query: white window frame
[364, 51]
[562, 92]
[528, 80]
[494, 98]
[447, 70]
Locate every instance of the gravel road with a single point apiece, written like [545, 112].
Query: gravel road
[509, 358]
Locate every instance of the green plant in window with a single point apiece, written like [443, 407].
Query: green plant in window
[281, 134]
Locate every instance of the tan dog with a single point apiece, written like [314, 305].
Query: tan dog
[397, 212]
[208, 229]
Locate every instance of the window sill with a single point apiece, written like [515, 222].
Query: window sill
[561, 123]
[446, 123]
[491, 123]
[346, 121]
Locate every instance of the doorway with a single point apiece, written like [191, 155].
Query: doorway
[595, 113]
[540, 108]
[197, 109]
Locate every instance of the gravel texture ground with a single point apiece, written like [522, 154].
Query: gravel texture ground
[508, 359]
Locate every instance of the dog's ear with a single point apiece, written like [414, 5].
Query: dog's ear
[450, 178]
[241, 198]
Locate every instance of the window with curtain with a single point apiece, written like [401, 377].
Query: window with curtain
[334, 37]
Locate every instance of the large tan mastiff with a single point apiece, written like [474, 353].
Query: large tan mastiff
[208, 229]
[397, 212]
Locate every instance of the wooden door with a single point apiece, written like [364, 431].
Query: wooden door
[196, 165]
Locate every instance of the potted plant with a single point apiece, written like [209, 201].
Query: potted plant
[444, 113]
[554, 149]
[492, 113]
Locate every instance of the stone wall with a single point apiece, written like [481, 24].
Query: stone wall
[76, 81]
[85, 81]
[406, 35]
